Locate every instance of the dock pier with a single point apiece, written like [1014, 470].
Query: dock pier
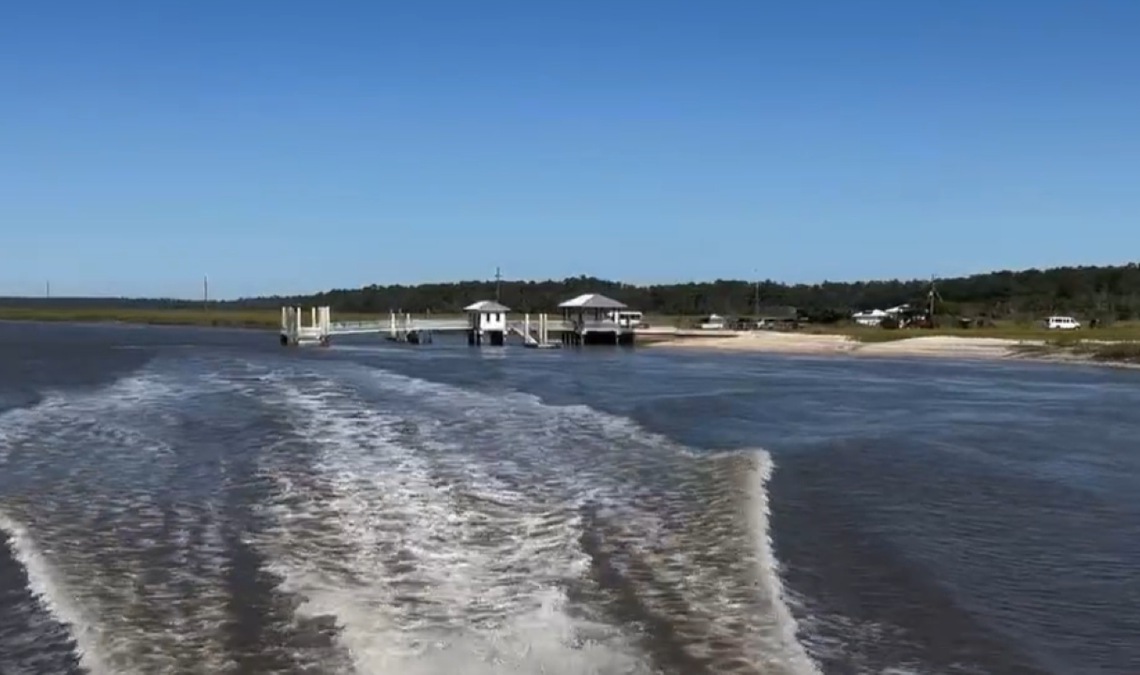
[586, 320]
[595, 319]
[294, 332]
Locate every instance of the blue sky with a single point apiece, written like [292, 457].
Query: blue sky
[292, 145]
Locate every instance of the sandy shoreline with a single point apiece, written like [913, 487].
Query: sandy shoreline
[804, 343]
[945, 346]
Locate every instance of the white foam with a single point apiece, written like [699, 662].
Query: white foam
[125, 393]
[140, 614]
[7, 440]
[704, 588]
[440, 538]
[768, 565]
[598, 458]
[53, 595]
[477, 588]
[144, 615]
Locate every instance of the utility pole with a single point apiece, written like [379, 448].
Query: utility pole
[205, 293]
[757, 295]
[498, 285]
[932, 295]
[931, 310]
[47, 289]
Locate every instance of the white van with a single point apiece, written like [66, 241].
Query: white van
[1062, 323]
[625, 318]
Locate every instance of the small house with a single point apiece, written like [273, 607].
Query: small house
[486, 321]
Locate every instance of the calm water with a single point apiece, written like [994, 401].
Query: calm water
[194, 501]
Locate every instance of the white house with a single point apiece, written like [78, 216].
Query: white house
[486, 320]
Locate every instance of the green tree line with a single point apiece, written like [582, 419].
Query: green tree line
[1109, 293]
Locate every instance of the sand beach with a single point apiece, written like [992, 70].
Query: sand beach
[806, 343]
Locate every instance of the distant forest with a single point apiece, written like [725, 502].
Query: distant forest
[1106, 293]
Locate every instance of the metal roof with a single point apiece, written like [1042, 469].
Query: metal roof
[592, 301]
[486, 306]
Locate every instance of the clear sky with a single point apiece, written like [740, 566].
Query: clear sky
[289, 146]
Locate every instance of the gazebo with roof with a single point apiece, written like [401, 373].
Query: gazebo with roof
[593, 318]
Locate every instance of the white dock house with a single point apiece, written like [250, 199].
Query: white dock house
[594, 319]
[487, 323]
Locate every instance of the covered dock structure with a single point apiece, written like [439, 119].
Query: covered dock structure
[487, 322]
[594, 319]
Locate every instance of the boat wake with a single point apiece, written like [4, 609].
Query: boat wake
[255, 518]
[639, 555]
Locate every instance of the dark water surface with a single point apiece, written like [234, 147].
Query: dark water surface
[203, 501]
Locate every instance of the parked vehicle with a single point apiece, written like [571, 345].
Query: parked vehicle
[712, 322]
[1062, 323]
[627, 318]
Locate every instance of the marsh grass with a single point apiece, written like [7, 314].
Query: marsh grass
[236, 318]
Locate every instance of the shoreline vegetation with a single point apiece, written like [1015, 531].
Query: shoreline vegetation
[1118, 344]
[221, 317]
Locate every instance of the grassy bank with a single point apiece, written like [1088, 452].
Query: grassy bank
[1103, 352]
[232, 318]
[1117, 352]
